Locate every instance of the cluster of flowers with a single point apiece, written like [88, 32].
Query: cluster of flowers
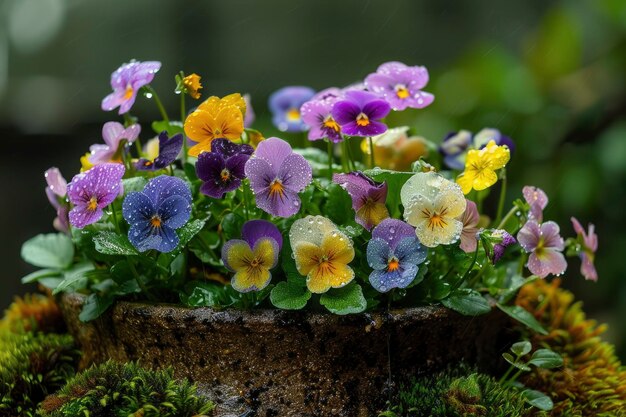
[241, 172]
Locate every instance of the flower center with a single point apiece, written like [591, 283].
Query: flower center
[129, 92]
[393, 265]
[401, 91]
[155, 221]
[225, 175]
[277, 187]
[435, 219]
[330, 123]
[93, 204]
[293, 114]
[255, 262]
[362, 120]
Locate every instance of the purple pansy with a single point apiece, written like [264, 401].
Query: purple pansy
[113, 133]
[285, 107]
[537, 200]
[394, 254]
[91, 191]
[316, 114]
[545, 245]
[155, 213]
[169, 148]
[456, 144]
[331, 94]
[588, 246]
[222, 169]
[368, 197]
[126, 82]
[249, 117]
[400, 85]
[56, 191]
[503, 240]
[277, 175]
[360, 112]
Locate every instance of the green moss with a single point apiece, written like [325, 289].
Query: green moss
[32, 365]
[114, 389]
[458, 392]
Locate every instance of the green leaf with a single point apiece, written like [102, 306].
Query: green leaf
[94, 306]
[289, 295]
[338, 207]
[395, 180]
[110, 243]
[538, 399]
[517, 282]
[524, 317]
[231, 225]
[205, 294]
[54, 251]
[42, 273]
[521, 348]
[172, 128]
[519, 365]
[74, 279]
[344, 300]
[467, 302]
[546, 359]
[134, 184]
[190, 171]
[188, 231]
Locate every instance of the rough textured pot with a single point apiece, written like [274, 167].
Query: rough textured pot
[291, 363]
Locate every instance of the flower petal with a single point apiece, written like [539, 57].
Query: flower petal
[235, 254]
[174, 211]
[528, 236]
[410, 251]
[393, 231]
[254, 230]
[160, 188]
[295, 172]
[547, 262]
[137, 207]
[274, 151]
[378, 252]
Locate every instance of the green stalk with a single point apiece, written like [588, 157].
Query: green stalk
[507, 217]
[464, 277]
[344, 156]
[371, 142]
[246, 203]
[330, 159]
[502, 198]
[183, 113]
[158, 103]
[117, 224]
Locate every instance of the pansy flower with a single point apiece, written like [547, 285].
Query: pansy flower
[400, 85]
[322, 253]
[495, 242]
[359, 113]
[316, 114]
[155, 213]
[537, 200]
[331, 94]
[222, 169]
[394, 253]
[91, 191]
[545, 245]
[253, 256]
[192, 85]
[113, 134]
[588, 246]
[455, 145]
[368, 197]
[277, 175]
[250, 115]
[56, 191]
[168, 150]
[481, 166]
[285, 107]
[126, 82]
[395, 150]
[215, 118]
[433, 204]
[470, 219]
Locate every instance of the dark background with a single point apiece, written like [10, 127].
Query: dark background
[550, 74]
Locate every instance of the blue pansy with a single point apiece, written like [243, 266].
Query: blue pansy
[394, 254]
[155, 213]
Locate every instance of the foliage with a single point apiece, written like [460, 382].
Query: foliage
[592, 380]
[114, 389]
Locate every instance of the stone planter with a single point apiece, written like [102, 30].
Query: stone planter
[291, 363]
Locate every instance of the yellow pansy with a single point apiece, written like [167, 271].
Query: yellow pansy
[481, 166]
[192, 85]
[322, 253]
[151, 150]
[432, 204]
[250, 265]
[215, 118]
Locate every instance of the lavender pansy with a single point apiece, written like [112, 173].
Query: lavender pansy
[455, 145]
[169, 148]
[317, 115]
[545, 245]
[56, 191]
[222, 169]
[331, 94]
[113, 134]
[155, 213]
[91, 191]
[537, 200]
[394, 254]
[368, 197]
[285, 107]
[400, 85]
[277, 175]
[588, 242]
[126, 82]
[500, 240]
[359, 113]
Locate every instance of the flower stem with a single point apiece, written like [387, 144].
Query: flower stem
[183, 113]
[507, 217]
[344, 156]
[246, 203]
[502, 197]
[158, 103]
[141, 284]
[466, 274]
[371, 142]
[117, 224]
[330, 159]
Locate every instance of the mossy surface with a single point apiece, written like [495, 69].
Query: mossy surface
[124, 390]
[458, 392]
[33, 312]
[592, 381]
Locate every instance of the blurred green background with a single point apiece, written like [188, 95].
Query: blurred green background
[549, 74]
